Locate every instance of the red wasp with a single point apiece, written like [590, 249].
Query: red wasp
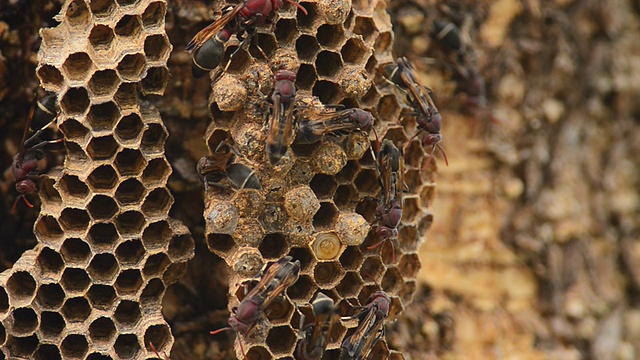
[315, 337]
[273, 283]
[207, 45]
[27, 162]
[280, 124]
[334, 122]
[370, 328]
[215, 168]
[428, 118]
[390, 169]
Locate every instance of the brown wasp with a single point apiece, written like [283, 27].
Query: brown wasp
[280, 124]
[207, 45]
[273, 283]
[215, 168]
[27, 162]
[403, 76]
[390, 169]
[370, 327]
[315, 336]
[335, 122]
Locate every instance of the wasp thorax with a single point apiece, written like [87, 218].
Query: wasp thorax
[327, 246]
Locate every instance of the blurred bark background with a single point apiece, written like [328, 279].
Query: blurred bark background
[535, 244]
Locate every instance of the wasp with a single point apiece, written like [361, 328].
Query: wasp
[429, 120]
[315, 336]
[27, 163]
[334, 122]
[280, 123]
[273, 283]
[215, 168]
[370, 327]
[207, 46]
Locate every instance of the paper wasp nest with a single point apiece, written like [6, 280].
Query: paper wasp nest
[319, 203]
[92, 287]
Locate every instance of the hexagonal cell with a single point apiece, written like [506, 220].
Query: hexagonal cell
[326, 216]
[391, 280]
[156, 235]
[130, 223]
[4, 300]
[129, 26]
[181, 247]
[330, 35]
[129, 162]
[129, 192]
[103, 268]
[129, 282]
[158, 335]
[267, 43]
[104, 83]
[279, 311]
[323, 186]
[74, 347]
[285, 30]
[50, 296]
[127, 346]
[354, 51]
[49, 262]
[327, 91]
[258, 353]
[301, 289]
[74, 220]
[328, 274]
[328, 63]
[102, 178]
[281, 340]
[367, 183]
[73, 129]
[174, 273]
[345, 196]
[327, 246]
[388, 108]
[157, 47]
[383, 42]
[156, 265]
[75, 154]
[48, 193]
[101, 38]
[102, 8]
[102, 148]
[350, 285]
[128, 314]
[308, 20]
[71, 185]
[304, 256]
[220, 243]
[127, 95]
[75, 101]
[425, 223]
[372, 269]
[50, 76]
[102, 331]
[102, 236]
[22, 322]
[102, 117]
[367, 208]
[98, 356]
[153, 15]
[348, 172]
[51, 324]
[129, 127]
[364, 26]
[366, 292]
[101, 297]
[153, 139]
[351, 258]
[74, 279]
[157, 203]
[411, 209]
[307, 47]
[396, 135]
[427, 195]
[408, 238]
[130, 252]
[407, 291]
[78, 66]
[131, 66]
[155, 81]
[21, 347]
[273, 246]
[306, 76]
[412, 179]
[76, 309]
[102, 207]
[409, 265]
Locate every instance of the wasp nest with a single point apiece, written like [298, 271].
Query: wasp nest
[107, 250]
[318, 204]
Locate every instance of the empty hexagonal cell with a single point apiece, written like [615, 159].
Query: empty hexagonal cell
[48, 193]
[130, 192]
[156, 265]
[98, 356]
[152, 293]
[326, 216]
[78, 66]
[391, 280]
[74, 346]
[345, 196]
[128, 313]
[307, 47]
[328, 63]
[306, 76]
[127, 95]
[101, 38]
[153, 139]
[102, 8]
[258, 353]
[328, 274]
[367, 208]
[350, 285]
[51, 324]
[103, 268]
[22, 322]
[71, 185]
[273, 246]
[129, 282]
[129, 162]
[102, 148]
[372, 269]
[75, 101]
[49, 262]
[4, 299]
[102, 117]
[407, 291]
[104, 83]
[174, 272]
[75, 154]
[129, 127]
[130, 252]
[281, 340]
[74, 220]
[102, 207]
[76, 309]
[157, 203]
[129, 26]
[364, 26]
[366, 292]
[50, 296]
[155, 81]
[130, 223]
[412, 179]
[327, 91]
[397, 135]
[307, 21]
[279, 311]
[158, 335]
[354, 51]
[348, 172]
[157, 47]
[74, 279]
[101, 331]
[127, 346]
[156, 235]
[413, 158]
[411, 209]
[301, 289]
[351, 258]
[367, 183]
[102, 236]
[383, 42]
[220, 243]
[153, 15]
[305, 257]
[267, 43]
[427, 195]
[50, 76]
[73, 129]
[101, 296]
[330, 35]
[131, 66]
[181, 247]
[21, 347]
[408, 238]
[285, 30]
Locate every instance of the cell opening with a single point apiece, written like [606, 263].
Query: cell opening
[76, 309]
[344, 196]
[328, 63]
[266, 42]
[285, 30]
[25, 321]
[367, 182]
[327, 274]
[153, 15]
[327, 91]
[383, 42]
[158, 335]
[388, 107]
[102, 148]
[156, 235]
[156, 172]
[128, 313]
[77, 66]
[330, 35]
[129, 127]
[153, 139]
[301, 289]
[131, 66]
[323, 186]
[128, 26]
[129, 192]
[21, 286]
[103, 268]
[365, 27]
[127, 96]
[152, 292]
[101, 297]
[51, 324]
[220, 243]
[101, 331]
[307, 47]
[306, 76]
[354, 51]
[281, 340]
[325, 216]
[350, 285]
[155, 80]
[128, 282]
[74, 130]
[104, 82]
[129, 162]
[22, 347]
[102, 117]
[102, 207]
[75, 279]
[157, 203]
[101, 37]
[50, 296]
[372, 269]
[130, 223]
[273, 246]
[102, 8]
[50, 76]
[71, 185]
[155, 265]
[156, 47]
[181, 247]
[351, 258]
[307, 21]
[304, 256]
[74, 220]
[391, 280]
[75, 101]
[127, 346]
[49, 262]
[102, 236]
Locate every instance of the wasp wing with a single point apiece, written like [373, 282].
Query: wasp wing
[212, 29]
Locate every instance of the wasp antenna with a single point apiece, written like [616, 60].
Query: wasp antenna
[298, 6]
[446, 161]
[433, 149]
[15, 204]
[215, 332]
